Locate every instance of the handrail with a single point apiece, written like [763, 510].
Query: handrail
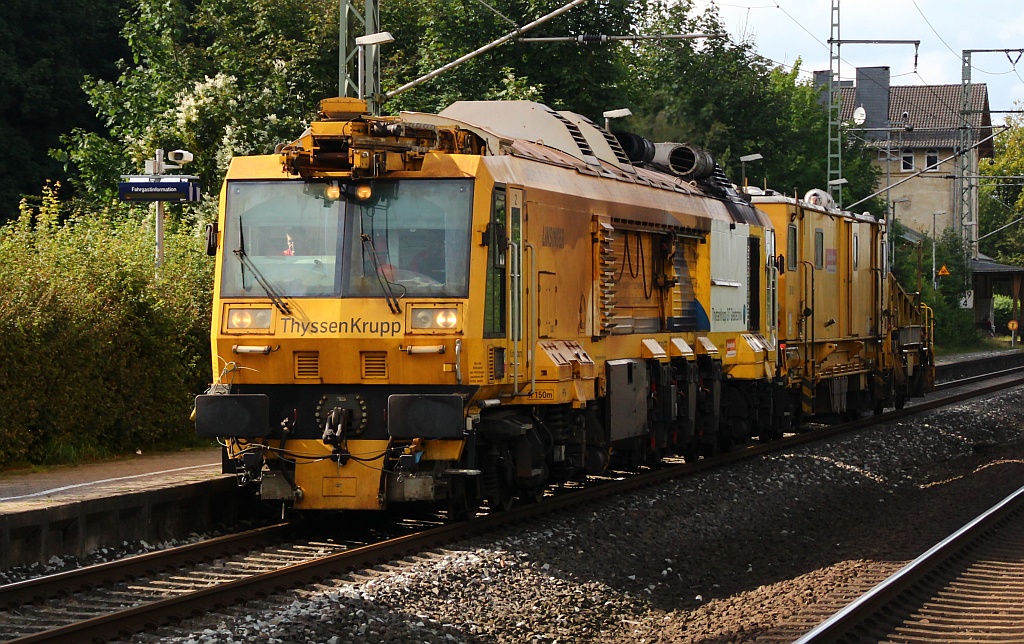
[810, 362]
[516, 297]
[534, 303]
[458, 361]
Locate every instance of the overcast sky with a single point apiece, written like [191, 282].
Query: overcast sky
[785, 30]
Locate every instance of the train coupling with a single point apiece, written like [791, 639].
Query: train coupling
[252, 461]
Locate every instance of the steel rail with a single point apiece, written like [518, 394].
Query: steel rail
[849, 619]
[70, 581]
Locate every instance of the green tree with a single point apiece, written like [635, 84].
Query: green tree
[445, 30]
[216, 77]
[1001, 201]
[722, 96]
[46, 49]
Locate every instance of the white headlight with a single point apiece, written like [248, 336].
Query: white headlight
[435, 318]
[249, 318]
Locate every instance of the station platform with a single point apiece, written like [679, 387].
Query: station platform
[72, 510]
[1009, 354]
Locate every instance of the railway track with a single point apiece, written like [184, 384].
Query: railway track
[968, 588]
[113, 600]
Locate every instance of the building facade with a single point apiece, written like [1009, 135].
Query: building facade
[916, 130]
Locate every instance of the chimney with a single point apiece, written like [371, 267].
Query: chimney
[873, 95]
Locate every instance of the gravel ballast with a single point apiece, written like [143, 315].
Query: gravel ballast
[724, 556]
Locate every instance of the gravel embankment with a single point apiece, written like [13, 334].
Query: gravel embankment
[722, 557]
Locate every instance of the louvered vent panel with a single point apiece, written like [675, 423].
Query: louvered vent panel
[307, 364]
[575, 133]
[605, 260]
[375, 364]
[616, 147]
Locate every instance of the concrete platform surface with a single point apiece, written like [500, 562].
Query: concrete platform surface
[76, 509]
[22, 490]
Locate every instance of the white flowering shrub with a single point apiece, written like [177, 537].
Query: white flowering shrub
[218, 78]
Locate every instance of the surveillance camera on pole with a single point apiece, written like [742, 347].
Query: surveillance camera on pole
[180, 156]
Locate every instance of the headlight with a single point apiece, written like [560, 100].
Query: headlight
[435, 318]
[332, 192]
[249, 318]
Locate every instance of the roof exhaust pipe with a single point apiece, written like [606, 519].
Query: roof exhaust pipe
[639, 150]
[684, 160]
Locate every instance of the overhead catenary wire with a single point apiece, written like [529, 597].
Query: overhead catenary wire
[779, 6]
[489, 46]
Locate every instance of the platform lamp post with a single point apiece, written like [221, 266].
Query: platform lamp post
[362, 42]
[935, 283]
[744, 160]
[615, 114]
[842, 181]
[892, 228]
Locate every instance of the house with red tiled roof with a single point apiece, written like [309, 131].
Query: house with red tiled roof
[916, 132]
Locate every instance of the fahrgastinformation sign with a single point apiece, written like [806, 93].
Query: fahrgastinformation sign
[149, 188]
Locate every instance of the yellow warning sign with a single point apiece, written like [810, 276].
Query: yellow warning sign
[944, 272]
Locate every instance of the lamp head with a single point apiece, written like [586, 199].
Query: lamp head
[379, 38]
[619, 113]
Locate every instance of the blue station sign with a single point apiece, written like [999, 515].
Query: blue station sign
[168, 188]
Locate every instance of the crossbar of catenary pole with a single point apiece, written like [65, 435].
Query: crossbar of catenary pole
[599, 38]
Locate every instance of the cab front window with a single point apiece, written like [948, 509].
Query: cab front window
[409, 239]
[392, 239]
[282, 236]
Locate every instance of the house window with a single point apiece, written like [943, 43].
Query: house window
[908, 159]
[931, 159]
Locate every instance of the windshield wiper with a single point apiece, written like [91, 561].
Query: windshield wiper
[385, 283]
[274, 296]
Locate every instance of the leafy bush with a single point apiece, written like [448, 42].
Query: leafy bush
[101, 355]
[954, 326]
[1003, 312]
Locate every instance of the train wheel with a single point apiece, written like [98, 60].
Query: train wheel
[901, 401]
[503, 503]
[691, 452]
[535, 493]
[597, 459]
[501, 500]
[463, 503]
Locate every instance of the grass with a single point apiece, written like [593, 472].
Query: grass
[998, 343]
